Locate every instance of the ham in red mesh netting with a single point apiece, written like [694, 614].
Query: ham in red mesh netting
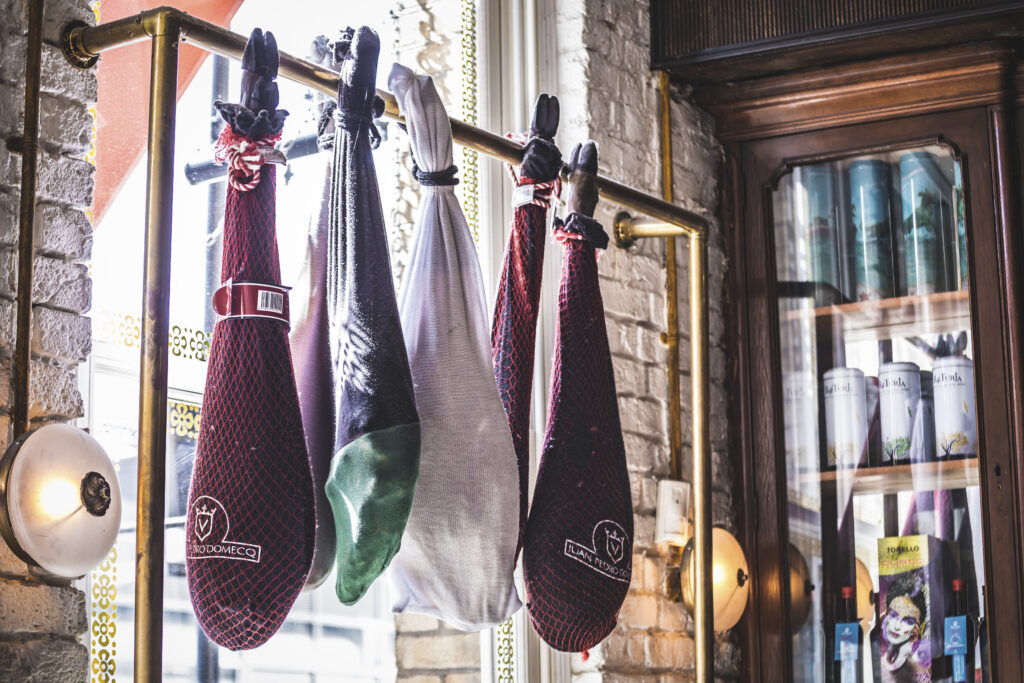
[515, 310]
[250, 524]
[577, 557]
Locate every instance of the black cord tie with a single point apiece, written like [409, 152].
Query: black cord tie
[436, 178]
[351, 121]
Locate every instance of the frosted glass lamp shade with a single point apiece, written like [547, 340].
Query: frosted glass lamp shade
[865, 598]
[730, 583]
[800, 589]
[60, 503]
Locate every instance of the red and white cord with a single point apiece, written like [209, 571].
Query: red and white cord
[244, 157]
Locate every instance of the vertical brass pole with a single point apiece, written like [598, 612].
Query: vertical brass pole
[27, 218]
[149, 552]
[703, 608]
[675, 431]
[703, 605]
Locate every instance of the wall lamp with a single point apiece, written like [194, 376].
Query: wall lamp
[60, 502]
[800, 589]
[730, 580]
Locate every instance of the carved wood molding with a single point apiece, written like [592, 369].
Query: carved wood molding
[905, 85]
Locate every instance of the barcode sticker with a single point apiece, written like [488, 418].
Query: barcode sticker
[270, 301]
[522, 195]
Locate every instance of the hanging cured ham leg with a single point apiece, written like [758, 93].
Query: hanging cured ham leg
[250, 525]
[311, 353]
[578, 552]
[513, 334]
[377, 440]
[458, 553]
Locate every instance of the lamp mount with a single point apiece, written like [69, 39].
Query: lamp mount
[741, 577]
[95, 494]
[6, 530]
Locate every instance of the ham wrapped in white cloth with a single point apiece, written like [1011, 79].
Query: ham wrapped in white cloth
[458, 552]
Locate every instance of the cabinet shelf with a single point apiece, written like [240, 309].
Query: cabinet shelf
[896, 317]
[925, 476]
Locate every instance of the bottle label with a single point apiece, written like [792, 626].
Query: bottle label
[956, 646]
[956, 635]
[846, 641]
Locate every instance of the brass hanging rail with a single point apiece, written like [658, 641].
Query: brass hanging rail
[167, 27]
[84, 44]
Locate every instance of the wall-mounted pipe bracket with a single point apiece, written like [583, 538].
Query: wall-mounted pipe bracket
[71, 46]
[628, 229]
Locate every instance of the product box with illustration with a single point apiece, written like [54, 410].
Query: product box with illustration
[912, 571]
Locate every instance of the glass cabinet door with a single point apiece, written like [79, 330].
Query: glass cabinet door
[880, 427]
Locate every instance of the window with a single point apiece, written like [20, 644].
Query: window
[320, 632]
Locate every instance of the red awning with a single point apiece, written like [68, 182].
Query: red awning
[122, 110]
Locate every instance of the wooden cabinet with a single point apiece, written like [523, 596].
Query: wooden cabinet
[952, 115]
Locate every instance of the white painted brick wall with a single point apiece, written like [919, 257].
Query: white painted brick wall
[41, 620]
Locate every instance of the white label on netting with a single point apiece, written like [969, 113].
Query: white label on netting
[270, 301]
[522, 195]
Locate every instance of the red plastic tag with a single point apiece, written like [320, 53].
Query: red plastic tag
[252, 300]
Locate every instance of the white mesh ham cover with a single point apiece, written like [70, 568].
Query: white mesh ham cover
[458, 553]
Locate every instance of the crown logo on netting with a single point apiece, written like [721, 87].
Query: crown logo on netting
[204, 522]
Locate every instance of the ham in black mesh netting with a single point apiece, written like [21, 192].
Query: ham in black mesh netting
[377, 440]
[577, 557]
[250, 524]
[515, 310]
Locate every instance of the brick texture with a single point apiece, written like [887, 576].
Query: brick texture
[41, 617]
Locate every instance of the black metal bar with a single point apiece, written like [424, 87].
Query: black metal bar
[27, 219]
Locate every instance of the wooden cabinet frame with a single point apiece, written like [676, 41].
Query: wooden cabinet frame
[967, 99]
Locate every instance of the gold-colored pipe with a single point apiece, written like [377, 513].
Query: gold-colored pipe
[638, 227]
[703, 619]
[149, 551]
[703, 610]
[27, 219]
[83, 44]
[628, 229]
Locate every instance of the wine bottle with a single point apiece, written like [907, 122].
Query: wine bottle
[959, 636]
[849, 639]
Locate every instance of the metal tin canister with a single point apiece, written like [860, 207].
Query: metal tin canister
[956, 422]
[922, 190]
[872, 248]
[816, 197]
[846, 427]
[800, 408]
[900, 394]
